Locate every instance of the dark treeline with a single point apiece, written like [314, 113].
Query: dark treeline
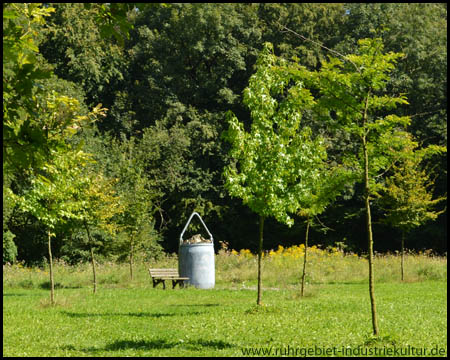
[167, 82]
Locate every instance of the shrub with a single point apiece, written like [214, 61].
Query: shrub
[9, 248]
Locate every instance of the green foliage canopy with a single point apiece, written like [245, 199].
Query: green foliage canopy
[24, 140]
[407, 195]
[277, 159]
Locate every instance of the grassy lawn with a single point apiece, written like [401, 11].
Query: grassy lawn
[130, 318]
[142, 321]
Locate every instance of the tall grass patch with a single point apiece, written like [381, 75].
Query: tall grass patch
[281, 269]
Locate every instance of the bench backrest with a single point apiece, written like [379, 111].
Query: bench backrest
[163, 272]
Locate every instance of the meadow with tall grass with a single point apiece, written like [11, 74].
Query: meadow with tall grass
[131, 318]
[282, 269]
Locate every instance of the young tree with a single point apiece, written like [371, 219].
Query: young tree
[276, 161]
[407, 196]
[98, 205]
[353, 89]
[324, 190]
[138, 212]
[138, 196]
[52, 196]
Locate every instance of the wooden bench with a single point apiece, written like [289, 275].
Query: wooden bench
[161, 275]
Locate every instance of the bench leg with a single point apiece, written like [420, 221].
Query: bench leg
[157, 281]
[179, 282]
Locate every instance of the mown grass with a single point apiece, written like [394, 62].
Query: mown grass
[130, 318]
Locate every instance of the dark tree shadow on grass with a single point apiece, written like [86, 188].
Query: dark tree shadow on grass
[190, 305]
[46, 286]
[156, 344]
[134, 314]
[20, 294]
[164, 344]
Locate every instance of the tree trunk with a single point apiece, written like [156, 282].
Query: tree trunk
[261, 227]
[131, 257]
[403, 253]
[92, 257]
[93, 269]
[370, 237]
[368, 216]
[50, 259]
[304, 257]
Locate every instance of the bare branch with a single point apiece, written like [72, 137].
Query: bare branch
[425, 113]
[319, 44]
[323, 225]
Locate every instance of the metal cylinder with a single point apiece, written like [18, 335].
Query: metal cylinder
[196, 261]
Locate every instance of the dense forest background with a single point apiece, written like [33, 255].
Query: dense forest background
[170, 72]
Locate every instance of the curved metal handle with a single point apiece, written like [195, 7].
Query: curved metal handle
[185, 227]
